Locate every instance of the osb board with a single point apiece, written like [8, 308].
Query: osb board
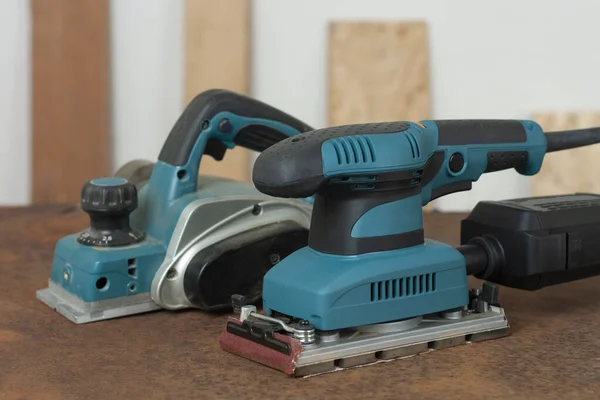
[378, 71]
[217, 47]
[568, 171]
[70, 102]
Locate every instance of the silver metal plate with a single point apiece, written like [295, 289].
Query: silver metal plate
[81, 312]
[433, 333]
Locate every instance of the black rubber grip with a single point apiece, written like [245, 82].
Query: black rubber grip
[501, 160]
[180, 142]
[483, 131]
[294, 166]
[259, 137]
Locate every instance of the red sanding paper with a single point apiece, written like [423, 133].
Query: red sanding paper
[261, 354]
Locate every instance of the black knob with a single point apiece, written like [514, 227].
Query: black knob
[109, 202]
[238, 301]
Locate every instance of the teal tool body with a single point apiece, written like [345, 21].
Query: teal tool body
[368, 268]
[163, 236]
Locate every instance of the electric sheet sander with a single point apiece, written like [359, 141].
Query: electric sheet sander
[369, 287]
[184, 240]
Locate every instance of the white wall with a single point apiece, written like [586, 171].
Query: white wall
[147, 75]
[502, 59]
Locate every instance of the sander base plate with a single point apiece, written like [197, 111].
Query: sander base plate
[371, 344]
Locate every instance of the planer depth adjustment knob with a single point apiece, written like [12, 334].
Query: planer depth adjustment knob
[109, 202]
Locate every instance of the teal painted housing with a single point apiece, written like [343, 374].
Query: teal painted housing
[95, 273]
[336, 292]
[92, 274]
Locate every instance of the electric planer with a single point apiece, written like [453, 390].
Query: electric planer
[369, 286]
[161, 236]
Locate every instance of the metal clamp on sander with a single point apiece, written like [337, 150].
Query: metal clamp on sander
[161, 236]
[369, 286]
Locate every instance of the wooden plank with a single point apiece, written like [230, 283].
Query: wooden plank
[70, 105]
[378, 71]
[217, 49]
[568, 171]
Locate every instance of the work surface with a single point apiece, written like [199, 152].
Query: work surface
[553, 352]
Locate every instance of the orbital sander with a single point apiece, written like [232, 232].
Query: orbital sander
[369, 287]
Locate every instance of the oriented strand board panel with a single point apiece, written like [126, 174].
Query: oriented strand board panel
[378, 71]
[568, 171]
[70, 83]
[217, 47]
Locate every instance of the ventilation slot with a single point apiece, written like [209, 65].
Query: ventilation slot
[414, 145]
[353, 150]
[403, 287]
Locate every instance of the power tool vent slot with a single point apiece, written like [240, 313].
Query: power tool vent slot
[354, 150]
[414, 145]
[403, 287]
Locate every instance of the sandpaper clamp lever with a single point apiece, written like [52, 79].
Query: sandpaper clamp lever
[303, 331]
[484, 297]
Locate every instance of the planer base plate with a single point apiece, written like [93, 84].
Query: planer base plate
[81, 312]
